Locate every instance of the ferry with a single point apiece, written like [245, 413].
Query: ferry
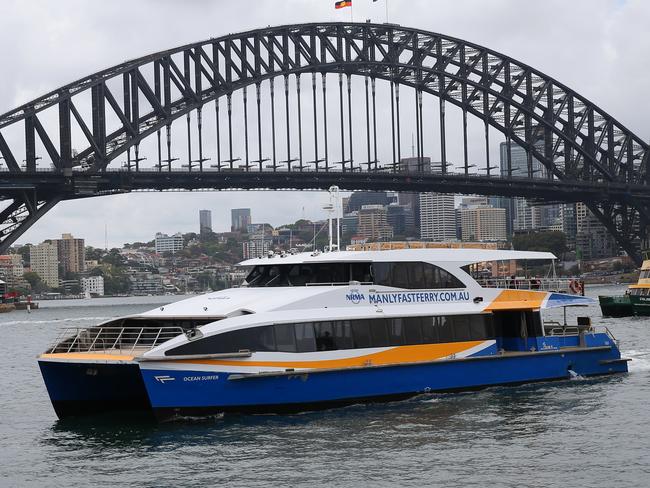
[635, 301]
[318, 330]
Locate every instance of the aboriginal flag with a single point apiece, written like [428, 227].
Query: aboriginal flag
[343, 4]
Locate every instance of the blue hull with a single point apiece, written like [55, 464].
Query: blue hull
[202, 393]
[80, 389]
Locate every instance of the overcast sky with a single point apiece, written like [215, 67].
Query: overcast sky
[599, 48]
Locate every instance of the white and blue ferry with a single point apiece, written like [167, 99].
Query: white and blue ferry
[319, 330]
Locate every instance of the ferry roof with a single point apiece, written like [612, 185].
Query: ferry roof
[460, 257]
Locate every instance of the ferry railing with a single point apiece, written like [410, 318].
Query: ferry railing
[116, 340]
[558, 285]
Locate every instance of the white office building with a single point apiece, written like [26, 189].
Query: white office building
[437, 217]
[94, 285]
[165, 243]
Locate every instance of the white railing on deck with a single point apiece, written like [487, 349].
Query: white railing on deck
[559, 285]
[114, 340]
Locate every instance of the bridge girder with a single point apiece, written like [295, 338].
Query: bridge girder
[574, 139]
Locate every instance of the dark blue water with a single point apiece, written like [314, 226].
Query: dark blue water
[581, 432]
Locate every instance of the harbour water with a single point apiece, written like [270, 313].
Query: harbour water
[579, 432]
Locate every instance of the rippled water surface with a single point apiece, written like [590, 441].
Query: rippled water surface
[580, 432]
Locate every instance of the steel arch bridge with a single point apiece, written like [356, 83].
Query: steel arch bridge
[574, 151]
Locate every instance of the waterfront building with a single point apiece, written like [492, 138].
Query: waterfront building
[437, 217]
[240, 218]
[93, 285]
[44, 261]
[373, 224]
[205, 222]
[71, 253]
[165, 243]
[256, 247]
[483, 223]
[12, 270]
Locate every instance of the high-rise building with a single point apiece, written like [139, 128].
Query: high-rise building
[360, 198]
[373, 224]
[240, 218]
[593, 241]
[412, 200]
[205, 222]
[44, 261]
[437, 217]
[165, 243]
[520, 214]
[483, 223]
[72, 254]
[400, 218]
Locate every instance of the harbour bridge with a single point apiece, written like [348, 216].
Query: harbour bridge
[261, 99]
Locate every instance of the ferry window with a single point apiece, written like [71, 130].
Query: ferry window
[444, 326]
[379, 333]
[285, 338]
[361, 333]
[325, 336]
[360, 272]
[395, 332]
[461, 328]
[414, 275]
[252, 339]
[477, 327]
[429, 330]
[400, 277]
[412, 331]
[343, 335]
[305, 338]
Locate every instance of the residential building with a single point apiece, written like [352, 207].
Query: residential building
[93, 285]
[165, 243]
[373, 224]
[256, 247]
[205, 222]
[44, 261]
[483, 223]
[437, 217]
[12, 270]
[240, 218]
[72, 254]
[350, 223]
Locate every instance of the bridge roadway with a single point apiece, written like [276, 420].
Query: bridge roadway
[47, 184]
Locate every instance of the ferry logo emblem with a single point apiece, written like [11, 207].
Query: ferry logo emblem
[163, 378]
[355, 296]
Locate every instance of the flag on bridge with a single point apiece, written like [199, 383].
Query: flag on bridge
[343, 4]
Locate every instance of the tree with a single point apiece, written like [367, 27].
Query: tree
[24, 252]
[114, 258]
[546, 241]
[35, 282]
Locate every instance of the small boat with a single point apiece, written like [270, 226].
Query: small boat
[635, 301]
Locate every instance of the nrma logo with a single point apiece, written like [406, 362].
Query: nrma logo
[355, 296]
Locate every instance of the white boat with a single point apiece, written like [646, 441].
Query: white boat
[318, 330]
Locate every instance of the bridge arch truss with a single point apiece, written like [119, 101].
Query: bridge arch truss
[115, 110]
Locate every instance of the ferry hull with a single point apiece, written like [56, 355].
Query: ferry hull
[186, 393]
[80, 388]
[616, 306]
[640, 305]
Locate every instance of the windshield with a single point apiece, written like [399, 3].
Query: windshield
[308, 274]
